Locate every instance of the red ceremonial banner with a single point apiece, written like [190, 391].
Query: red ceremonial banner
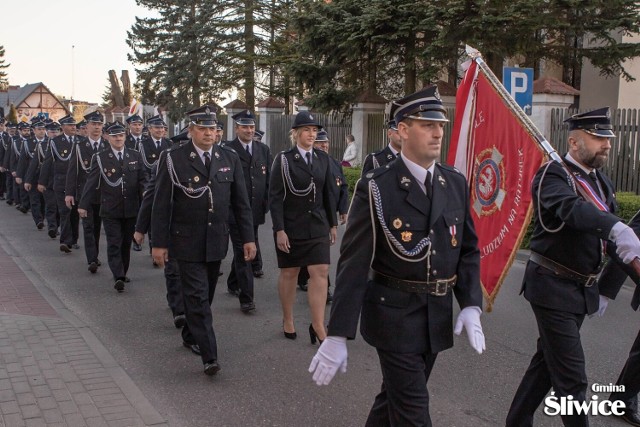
[499, 157]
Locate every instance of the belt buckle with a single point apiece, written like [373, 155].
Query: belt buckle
[438, 292]
[593, 278]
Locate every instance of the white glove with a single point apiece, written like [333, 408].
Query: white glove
[469, 317]
[604, 302]
[331, 356]
[628, 245]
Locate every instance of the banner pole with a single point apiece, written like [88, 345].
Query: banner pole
[476, 56]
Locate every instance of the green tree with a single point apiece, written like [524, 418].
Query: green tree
[13, 114]
[4, 82]
[178, 55]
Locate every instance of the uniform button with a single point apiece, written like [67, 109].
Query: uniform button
[382, 299]
[209, 224]
[430, 231]
[209, 182]
[309, 211]
[433, 252]
[435, 272]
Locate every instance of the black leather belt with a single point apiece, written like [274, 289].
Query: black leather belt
[437, 288]
[560, 270]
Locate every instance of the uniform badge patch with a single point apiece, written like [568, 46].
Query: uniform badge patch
[397, 223]
[405, 181]
[192, 155]
[406, 236]
[196, 178]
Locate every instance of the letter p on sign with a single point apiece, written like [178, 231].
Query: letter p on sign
[519, 83]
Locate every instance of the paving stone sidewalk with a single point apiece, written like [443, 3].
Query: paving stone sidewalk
[53, 370]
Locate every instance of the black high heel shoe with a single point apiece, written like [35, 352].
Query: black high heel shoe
[289, 335]
[312, 335]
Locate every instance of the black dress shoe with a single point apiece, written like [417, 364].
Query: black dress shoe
[75, 246]
[93, 267]
[329, 297]
[247, 307]
[136, 247]
[23, 209]
[234, 292]
[65, 248]
[40, 225]
[52, 234]
[303, 286]
[98, 262]
[126, 279]
[10, 202]
[631, 418]
[119, 286]
[195, 348]
[220, 273]
[258, 273]
[179, 321]
[211, 368]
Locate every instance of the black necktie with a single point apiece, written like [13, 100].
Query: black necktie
[594, 178]
[248, 152]
[95, 147]
[427, 185]
[120, 157]
[158, 145]
[207, 160]
[308, 156]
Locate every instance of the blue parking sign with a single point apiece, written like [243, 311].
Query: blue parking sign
[519, 83]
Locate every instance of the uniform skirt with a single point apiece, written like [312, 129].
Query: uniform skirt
[304, 252]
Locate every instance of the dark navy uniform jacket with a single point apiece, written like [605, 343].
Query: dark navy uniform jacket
[15, 151]
[80, 166]
[122, 201]
[131, 143]
[382, 157]
[151, 152]
[302, 217]
[396, 320]
[26, 155]
[576, 245]
[257, 170]
[33, 171]
[56, 164]
[189, 227]
[5, 143]
[339, 186]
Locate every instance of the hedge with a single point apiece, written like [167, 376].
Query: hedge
[629, 203]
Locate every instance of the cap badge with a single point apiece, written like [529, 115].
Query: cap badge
[207, 110]
[311, 117]
[436, 94]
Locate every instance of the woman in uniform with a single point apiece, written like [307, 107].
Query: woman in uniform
[304, 222]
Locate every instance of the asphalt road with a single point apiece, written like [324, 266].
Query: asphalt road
[264, 379]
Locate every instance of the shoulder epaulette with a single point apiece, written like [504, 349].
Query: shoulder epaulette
[374, 173]
[449, 168]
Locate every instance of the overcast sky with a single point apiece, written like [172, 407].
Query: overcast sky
[38, 36]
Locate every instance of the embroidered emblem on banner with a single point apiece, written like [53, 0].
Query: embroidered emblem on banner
[488, 182]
